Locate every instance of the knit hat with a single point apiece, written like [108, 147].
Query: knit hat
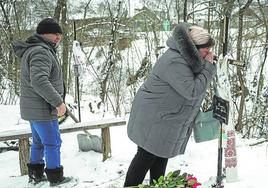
[48, 25]
[200, 37]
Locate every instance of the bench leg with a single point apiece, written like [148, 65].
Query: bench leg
[106, 143]
[24, 153]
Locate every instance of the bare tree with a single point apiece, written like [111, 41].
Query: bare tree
[185, 14]
[61, 12]
[6, 8]
[239, 70]
[178, 5]
[265, 22]
[110, 63]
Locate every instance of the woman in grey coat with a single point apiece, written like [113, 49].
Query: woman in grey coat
[166, 105]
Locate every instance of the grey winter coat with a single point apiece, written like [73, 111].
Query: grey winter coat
[166, 105]
[41, 87]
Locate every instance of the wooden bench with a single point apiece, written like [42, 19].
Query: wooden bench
[23, 136]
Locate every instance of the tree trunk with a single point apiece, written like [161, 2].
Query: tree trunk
[7, 24]
[265, 21]
[65, 45]
[58, 9]
[239, 125]
[178, 10]
[185, 14]
[61, 11]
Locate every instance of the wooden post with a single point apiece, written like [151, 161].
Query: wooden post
[231, 157]
[24, 153]
[106, 143]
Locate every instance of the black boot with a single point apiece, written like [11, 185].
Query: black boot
[36, 173]
[55, 176]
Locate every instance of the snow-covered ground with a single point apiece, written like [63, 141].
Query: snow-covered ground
[199, 159]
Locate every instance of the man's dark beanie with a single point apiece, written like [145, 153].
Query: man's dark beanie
[48, 25]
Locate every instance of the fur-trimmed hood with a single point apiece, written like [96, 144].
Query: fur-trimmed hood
[181, 42]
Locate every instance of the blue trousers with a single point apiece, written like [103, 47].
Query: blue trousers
[46, 143]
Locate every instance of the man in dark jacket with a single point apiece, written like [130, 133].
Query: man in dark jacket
[165, 106]
[41, 100]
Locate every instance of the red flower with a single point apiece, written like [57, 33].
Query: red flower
[192, 181]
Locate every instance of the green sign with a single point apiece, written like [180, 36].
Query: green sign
[166, 25]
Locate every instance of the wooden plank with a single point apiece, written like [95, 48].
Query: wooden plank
[26, 132]
[15, 134]
[93, 125]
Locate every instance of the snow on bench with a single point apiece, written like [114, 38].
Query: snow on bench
[100, 124]
[24, 134]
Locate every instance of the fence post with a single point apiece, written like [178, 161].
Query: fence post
[24, 149]
[106, 143]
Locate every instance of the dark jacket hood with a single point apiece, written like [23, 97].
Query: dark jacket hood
[19, 47]
[181, 42]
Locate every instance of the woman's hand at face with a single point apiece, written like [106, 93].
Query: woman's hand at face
[210, 57]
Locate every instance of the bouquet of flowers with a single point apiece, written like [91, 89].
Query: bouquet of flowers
[174, 180]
